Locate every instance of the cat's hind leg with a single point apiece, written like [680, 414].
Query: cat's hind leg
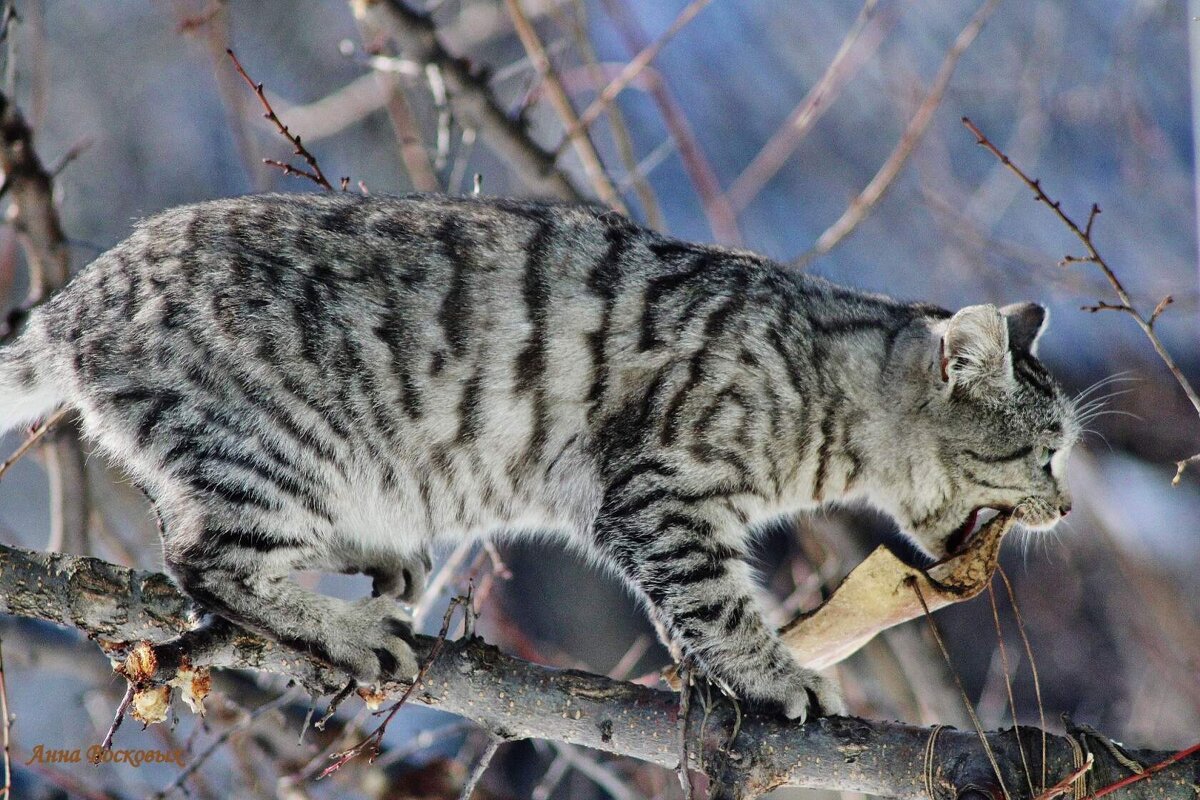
[242, 573]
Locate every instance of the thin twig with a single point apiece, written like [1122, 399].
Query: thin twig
[576, 134]
[720, 215]
[1121, 784]
[374, 739]
[313, 173]
[1037, 683]
[862, 205]
[634, 68]
[411, 144]
[1067, 784]
[860, 42]
[470, 99]
[118, 718]
[248, 719]
[588, 765]
[408, 136]
[212, 28]
[481, 766]
[552, 777]
[1012, 701]
[499, 568]
[1084, 235]
[685, 693]
[74, 152]
[34, 216]
[334, 704]
[34, 436]
[937, 637]
[616, 120]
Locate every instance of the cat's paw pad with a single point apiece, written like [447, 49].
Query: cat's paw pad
[808, 694]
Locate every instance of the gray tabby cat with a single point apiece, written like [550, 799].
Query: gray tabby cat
[337, 382]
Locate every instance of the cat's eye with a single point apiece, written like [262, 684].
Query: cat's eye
[1047, 459]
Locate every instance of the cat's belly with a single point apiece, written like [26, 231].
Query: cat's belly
[448, 494]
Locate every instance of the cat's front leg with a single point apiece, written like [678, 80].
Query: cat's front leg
[686, 558]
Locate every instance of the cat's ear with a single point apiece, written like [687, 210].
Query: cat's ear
[974, 352]
[1026, 321]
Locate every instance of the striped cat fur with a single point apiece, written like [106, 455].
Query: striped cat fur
[340, 382]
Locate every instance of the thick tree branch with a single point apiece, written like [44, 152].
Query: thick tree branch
[513, 699]
[469, 96]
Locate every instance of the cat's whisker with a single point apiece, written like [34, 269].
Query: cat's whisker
[1111, 412]
[1119, 377]
[1094, 432]
[1082, 412]
[1104, 398]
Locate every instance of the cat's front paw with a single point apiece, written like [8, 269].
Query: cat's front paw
[375, 643]
[807, 694]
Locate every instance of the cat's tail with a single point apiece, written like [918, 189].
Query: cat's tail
[27, 393]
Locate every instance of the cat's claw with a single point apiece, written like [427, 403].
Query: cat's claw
[810, 694]
[376, 644]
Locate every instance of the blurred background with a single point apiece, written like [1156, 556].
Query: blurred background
[824, 134]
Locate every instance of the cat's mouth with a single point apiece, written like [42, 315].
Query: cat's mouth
[957, 541]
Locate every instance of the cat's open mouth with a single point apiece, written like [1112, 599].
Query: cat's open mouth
[958, 541]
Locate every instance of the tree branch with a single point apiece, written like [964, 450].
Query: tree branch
[33, 215]
[469, 96]
[865, 201]
[515, 699]
[576, 134]
[1084, 234]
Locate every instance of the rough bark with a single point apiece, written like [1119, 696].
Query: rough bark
[515, 699]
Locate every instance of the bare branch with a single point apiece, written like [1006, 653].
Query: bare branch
[248, 718]
[862, 204]
[635, 66]
[33, 214]
[1126, 305]
[470, 98]
[211, 26]
[28, 186]
[514, 699]
[577, 134]
[405, 124]
[481, 766]
[616, 120]
[313, 173]
[34, 437]
[720, 214]
[863, 39]
[1159, 309]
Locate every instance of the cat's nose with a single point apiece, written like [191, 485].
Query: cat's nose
[1064, 509]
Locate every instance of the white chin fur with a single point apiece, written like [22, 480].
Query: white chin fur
[1037, 515]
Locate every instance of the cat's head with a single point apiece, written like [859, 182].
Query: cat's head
[993, 428]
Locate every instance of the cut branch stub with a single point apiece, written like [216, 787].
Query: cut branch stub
[878, 594]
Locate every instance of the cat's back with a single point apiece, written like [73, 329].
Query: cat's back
[250, 265]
